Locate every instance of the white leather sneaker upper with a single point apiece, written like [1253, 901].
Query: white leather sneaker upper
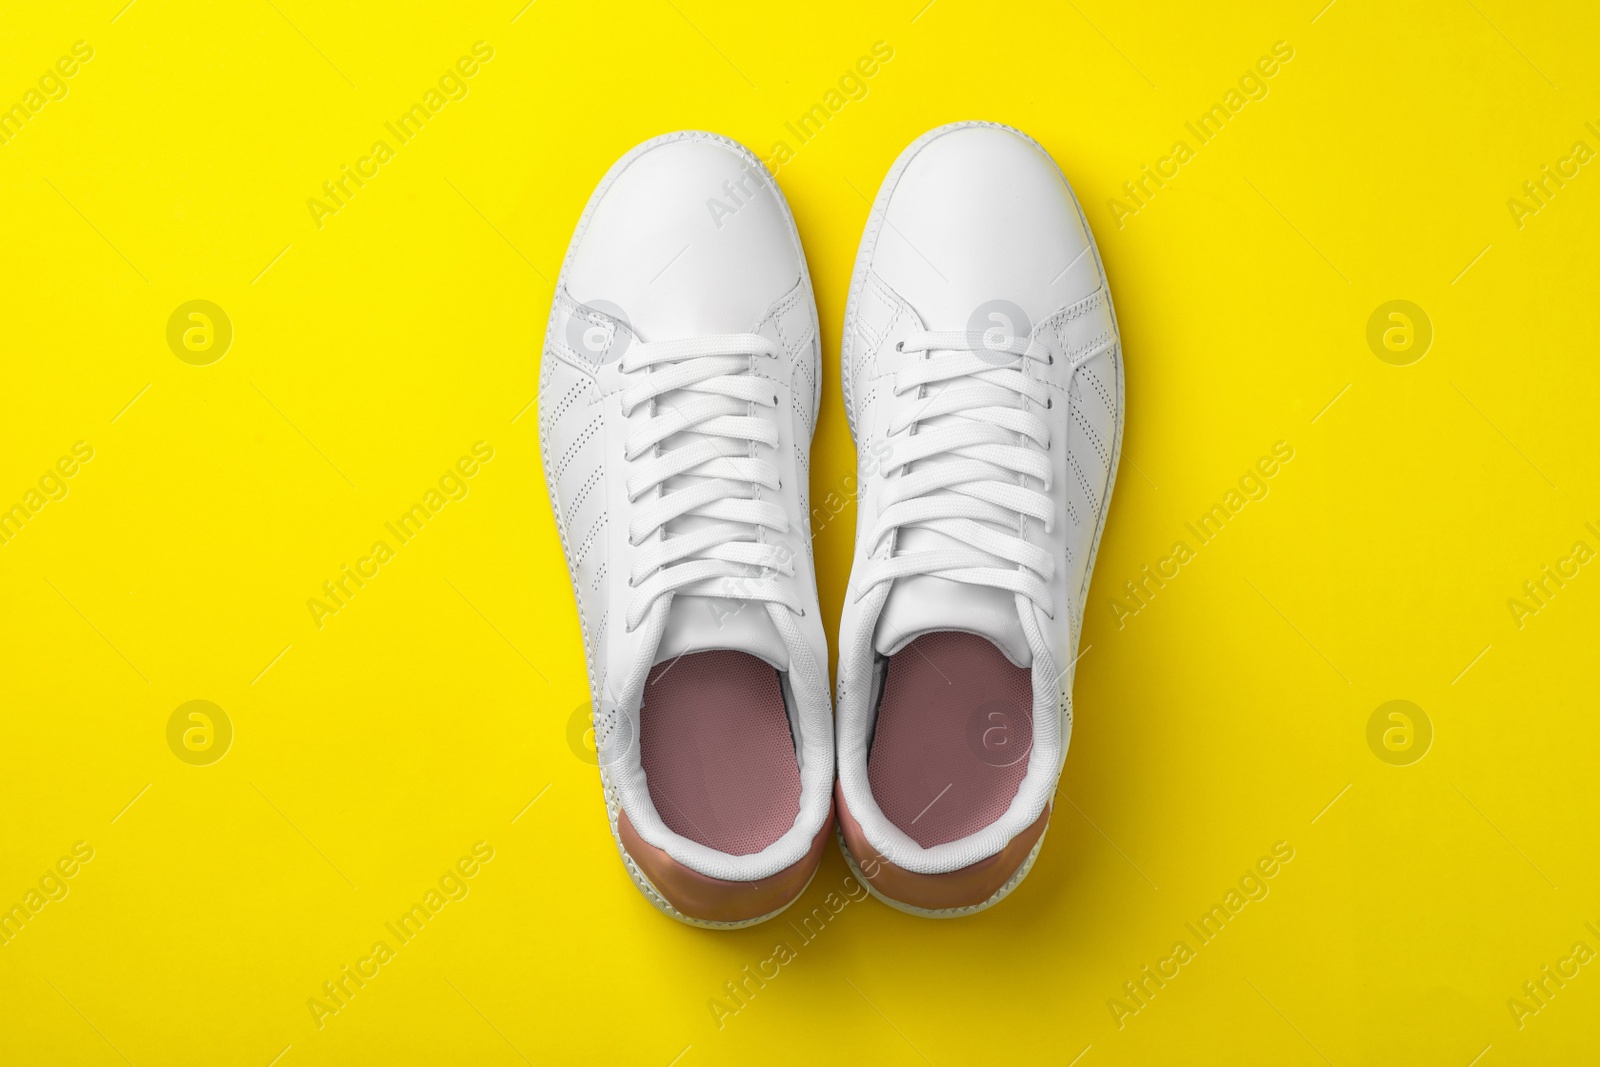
[983, 380]
[677, 397]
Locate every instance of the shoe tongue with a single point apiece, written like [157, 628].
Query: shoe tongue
[925, 603]
[705, 624]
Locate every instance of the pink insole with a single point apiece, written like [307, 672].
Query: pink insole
[718, 755]
[954, 730]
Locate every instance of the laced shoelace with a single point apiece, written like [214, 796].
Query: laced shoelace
[699, 447]
[990, 452]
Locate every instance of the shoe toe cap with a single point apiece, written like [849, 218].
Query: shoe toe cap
[690, 236]
[981, 213]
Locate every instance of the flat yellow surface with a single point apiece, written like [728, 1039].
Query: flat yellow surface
[412, 736]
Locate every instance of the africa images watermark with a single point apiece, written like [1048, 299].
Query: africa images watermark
[452, 486]
[740, 990]
[199, 732]
[338, 191]
[51, 887]
[1253, 886]
[1538, 191]
[451, 886]
[1399, 732]
[51, 86]
[51, 486]
[1153, 178]
[1253, 485]
[852, 88]
[1537, 592]
[1537, 993]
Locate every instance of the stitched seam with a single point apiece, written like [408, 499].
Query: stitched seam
[1083, 352]
[778, 312]
[1082, 307]
[801, 366]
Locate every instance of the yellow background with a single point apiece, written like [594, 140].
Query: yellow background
[1227, 715]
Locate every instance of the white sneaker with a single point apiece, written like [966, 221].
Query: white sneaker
[677, 398]
[983, 381]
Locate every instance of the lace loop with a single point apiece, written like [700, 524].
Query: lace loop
[967, 461]
[703, 530]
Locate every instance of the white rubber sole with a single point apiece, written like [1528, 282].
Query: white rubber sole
[612, 798]
[847, 375]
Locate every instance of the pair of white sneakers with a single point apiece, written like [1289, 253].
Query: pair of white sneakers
[678, 395]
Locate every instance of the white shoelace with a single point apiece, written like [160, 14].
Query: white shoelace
[702, 436]
[990, 451]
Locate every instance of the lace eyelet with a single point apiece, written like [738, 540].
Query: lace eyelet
[899, 346]
[1051, 361]
[1049, 402]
